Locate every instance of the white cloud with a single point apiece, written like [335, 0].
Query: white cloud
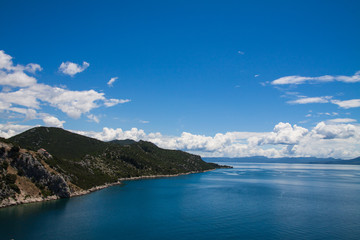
[326, 139]
[52, 121]
[6, 61]
[341, 120]
[326, 78]
[353, 103]
[73, 103]
[256, 75]
[113, 102]
[93, 118]
[9, 130]
[111, 81]
[306, 100]
[241, 52]
[283, 133]
[332, 130]
[33, 95]
[6, 64]
[143, 121]
[28, 112]
[33, 67]
[70, 68]
[109, 134]
[16, 79]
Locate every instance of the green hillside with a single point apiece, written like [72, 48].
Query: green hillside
[87, 162]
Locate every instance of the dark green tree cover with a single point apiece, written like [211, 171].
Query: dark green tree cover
[88, 162]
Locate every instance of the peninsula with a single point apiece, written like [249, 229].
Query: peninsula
[46, 163]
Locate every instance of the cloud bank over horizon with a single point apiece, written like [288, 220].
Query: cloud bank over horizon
[336, 138]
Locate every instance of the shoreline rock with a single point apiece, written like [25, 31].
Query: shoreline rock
[26, 200]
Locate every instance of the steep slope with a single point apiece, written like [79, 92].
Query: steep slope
[24, 177]
[87, 162]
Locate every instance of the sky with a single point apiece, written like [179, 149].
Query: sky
[215, 78]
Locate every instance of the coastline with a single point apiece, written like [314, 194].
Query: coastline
[26, 200]
[120, 181]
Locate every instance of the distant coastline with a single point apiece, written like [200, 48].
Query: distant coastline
[304, 160]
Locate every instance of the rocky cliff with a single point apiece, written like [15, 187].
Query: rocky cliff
[24, 177]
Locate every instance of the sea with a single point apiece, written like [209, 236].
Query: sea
[249, 201]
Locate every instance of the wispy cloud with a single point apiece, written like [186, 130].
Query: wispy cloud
[93, 118]
[241, 52]
[353, 103]
[341, 120]
[70, 68]
[113, 102]
[326, 78]
[307, 100]
[111, 81]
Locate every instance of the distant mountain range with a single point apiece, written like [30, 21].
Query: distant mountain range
[48, 162]
[310, 160]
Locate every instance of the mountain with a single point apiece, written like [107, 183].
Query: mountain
[261, 159]
[354, 161]
[56, 162]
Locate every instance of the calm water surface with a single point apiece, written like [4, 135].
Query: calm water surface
[251, 201]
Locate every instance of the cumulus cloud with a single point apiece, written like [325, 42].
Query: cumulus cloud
[353, 103]
[283, 133]
[70, 68]
[326, 78]
[16, 79]
[326, 139]
[9, 130]
[306, 100]
[52, 121]
[13, 75]
[111, 81]
[73, 103]
[109, 134]
[32, 95]
[33, 67]
[339, 131]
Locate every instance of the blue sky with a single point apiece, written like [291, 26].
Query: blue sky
[196, 67]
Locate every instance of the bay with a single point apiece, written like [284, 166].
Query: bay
[250, 201]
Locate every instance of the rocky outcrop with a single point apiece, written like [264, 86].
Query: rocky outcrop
[24, 177]
[33, 169]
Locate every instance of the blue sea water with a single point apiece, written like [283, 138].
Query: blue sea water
[250, 201]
